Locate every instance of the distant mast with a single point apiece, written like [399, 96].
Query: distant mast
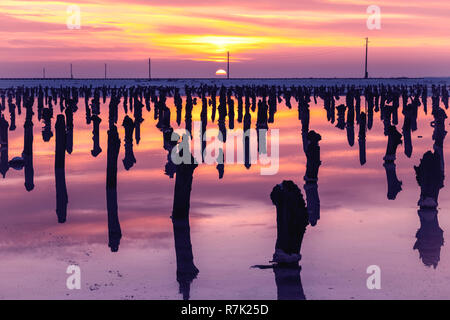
[228, 64]
[366, 74]
[71, 72]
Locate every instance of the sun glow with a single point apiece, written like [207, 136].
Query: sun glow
[196, 31]
[221, 72]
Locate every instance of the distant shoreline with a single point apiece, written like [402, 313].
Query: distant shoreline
[6, 83]
[223, 79]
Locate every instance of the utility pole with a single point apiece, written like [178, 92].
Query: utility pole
[228, 65]
[71, 72]
[150, 69]
[366, 74]
[105, 70]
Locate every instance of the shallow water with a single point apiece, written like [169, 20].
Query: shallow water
[233, 221]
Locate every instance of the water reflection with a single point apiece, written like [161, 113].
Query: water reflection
[430, 236]
[230, 107]
[60, 169]
[96, 149]
[288, 282]
[114, 231]
[186, 269]
[292, 219]
[430, 176]
[313, 163]
[394, 140]
[27, 153]
[129, 160]
[4, 161]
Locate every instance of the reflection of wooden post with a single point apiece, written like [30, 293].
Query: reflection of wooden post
[186, 269]
[114, 231]
[60, 175]
[228, 65]
[4, 165]
[27, 153]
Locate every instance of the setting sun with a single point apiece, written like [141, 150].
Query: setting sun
[221, 72]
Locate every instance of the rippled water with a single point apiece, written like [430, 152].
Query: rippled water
[233, 221]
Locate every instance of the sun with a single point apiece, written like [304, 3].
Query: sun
[221, 72]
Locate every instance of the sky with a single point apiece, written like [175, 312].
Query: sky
[190, 38]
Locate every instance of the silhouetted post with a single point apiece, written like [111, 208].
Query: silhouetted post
[47, 115]
[71, 71]
[129, 159]
[430, 178]
[430, 239]
[96, 150]
[362, 138]
[69, 128]
[186, 269]
[313, 163]
[406, 129]
[170, 168]
[27, 153]
[60, 175]
[439, 133]
[183, 187]
[4, 165]
[366, 74]
[114, 231]
[394, 185]
[292, 219]
[228, 65]
[138, 118]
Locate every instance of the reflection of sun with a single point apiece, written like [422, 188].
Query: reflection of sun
[221, 72]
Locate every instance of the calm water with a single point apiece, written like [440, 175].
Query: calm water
[233, 221]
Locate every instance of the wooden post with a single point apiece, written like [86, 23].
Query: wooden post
[228, 65]
[366, 74]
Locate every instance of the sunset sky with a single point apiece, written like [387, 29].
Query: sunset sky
[190, 38]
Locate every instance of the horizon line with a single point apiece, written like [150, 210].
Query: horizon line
[212, 78]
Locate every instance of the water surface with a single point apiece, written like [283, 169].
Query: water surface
[232, 220]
